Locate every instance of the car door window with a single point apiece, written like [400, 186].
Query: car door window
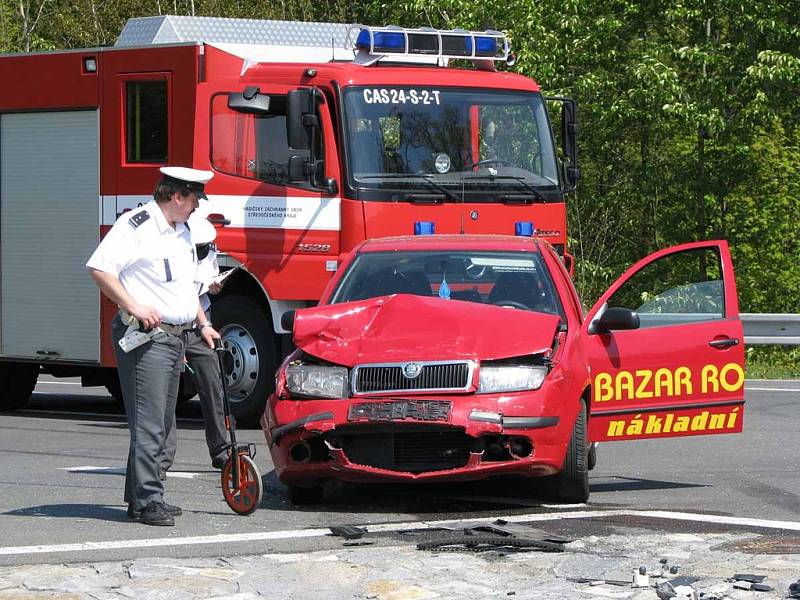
[678, 288]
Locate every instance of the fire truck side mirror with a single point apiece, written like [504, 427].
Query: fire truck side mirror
[250, 101]
[299, 107]
[569, 140]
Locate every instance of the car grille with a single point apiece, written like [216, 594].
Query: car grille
[450, 376]
[409, 450]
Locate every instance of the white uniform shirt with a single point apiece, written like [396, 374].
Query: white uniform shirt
[155, 263]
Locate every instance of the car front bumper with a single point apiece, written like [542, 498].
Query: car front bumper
[430, 438]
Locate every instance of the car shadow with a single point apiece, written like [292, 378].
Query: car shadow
[73, 511]
[634, 484]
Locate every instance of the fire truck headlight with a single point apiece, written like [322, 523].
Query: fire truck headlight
[316, 381]
[510, 378]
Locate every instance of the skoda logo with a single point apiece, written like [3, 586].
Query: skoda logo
[411, 370]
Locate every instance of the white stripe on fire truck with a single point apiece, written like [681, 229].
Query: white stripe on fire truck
[267, 212]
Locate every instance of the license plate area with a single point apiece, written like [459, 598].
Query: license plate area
[400, 410]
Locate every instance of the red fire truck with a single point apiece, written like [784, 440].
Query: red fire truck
[320, 136]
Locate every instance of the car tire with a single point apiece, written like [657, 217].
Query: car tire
[304, 496]
[17, 381]
[571, 485]
[250, 357]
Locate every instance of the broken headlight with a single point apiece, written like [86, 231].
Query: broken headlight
[316, 380]
[510, 378]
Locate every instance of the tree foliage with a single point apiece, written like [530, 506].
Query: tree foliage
[689, 111]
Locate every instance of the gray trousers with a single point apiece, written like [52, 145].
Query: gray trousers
[149, 377]
[204, 367]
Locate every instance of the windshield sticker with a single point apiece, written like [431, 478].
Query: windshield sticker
[516, 263]
[396, 96]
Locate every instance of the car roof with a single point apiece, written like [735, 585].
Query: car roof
[509, 243]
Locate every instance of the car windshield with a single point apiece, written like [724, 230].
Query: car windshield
[517, 280]
[476, 142]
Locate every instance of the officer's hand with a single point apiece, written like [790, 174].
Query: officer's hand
[147, 315]
[209, 334]
[215, 288]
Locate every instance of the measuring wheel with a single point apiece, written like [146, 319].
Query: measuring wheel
[244, 498]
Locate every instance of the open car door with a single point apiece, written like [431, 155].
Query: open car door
[665, 348]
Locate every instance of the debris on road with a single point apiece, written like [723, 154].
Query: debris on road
[486, 544]
[348, 532]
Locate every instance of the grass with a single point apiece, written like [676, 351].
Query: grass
[772, 362]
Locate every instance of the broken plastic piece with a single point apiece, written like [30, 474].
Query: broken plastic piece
[674, 569]
[640, 577]
[749, 577]
[794, 589]
[348, 532]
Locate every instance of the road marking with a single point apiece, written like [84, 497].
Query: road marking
[753, 389]
[121, 471]
[58, 383]
[393, 527]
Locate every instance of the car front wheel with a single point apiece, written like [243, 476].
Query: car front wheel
[571, 485]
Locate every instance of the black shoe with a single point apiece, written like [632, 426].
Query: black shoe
[174, 511]
[219, 460]
[155, 513]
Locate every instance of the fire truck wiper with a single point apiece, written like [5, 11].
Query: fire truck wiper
[521, 180]
[431, 184]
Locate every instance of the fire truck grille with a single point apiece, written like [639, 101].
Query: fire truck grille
[411, 451]
[454, 376]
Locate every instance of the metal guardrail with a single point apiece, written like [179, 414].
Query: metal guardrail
[761, 329]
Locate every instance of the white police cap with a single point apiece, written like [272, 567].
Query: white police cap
[192, 179]
[203, 232]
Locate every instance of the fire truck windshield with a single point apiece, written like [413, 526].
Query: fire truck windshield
[462, 143]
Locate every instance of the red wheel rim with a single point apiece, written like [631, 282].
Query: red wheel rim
[247, 497]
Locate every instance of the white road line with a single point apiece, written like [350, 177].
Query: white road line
[121, 471]
[389, 527]
[753, 389]
[58, 383]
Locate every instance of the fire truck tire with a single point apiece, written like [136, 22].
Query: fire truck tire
[304, 496]
[592, 460]
[249, 359]
[17, 381]
[571, 485]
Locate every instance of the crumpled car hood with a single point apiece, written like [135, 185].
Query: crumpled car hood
[402, 327]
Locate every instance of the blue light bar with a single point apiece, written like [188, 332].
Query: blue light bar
[524, 228]
[451, 43]
[424, 228]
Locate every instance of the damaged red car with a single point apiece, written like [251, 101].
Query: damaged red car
[460, 357]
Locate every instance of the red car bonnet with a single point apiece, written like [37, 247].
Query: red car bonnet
[403, 327]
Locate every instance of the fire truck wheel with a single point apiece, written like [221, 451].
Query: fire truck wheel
[592, 460]
[249, 360]
[572, 483]
[17, 381]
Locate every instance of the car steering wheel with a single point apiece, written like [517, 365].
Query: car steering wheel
[512, 304]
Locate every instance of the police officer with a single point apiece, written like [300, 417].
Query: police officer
[146, 264]
[202, 361]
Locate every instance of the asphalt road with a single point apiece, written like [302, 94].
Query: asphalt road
[62, 465]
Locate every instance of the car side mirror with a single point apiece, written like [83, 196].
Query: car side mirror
[300, 119]
[615, 318]
[287, 320]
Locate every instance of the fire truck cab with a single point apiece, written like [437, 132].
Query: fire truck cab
[320, 136]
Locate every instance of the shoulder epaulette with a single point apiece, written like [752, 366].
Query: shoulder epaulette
[139, 218]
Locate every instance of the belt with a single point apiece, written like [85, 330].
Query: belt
[176, 329]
